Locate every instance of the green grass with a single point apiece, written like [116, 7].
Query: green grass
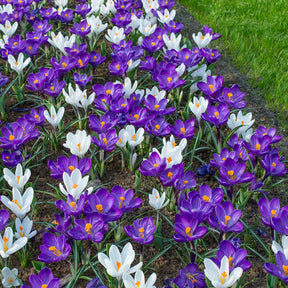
[255, 34]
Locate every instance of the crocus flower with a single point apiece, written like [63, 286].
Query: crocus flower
[284, 248]
[75, 184]
[45, 278]
[11, 159]
[115, 35]
[106, 140]
[217, 115]
[263, 131]
[118, 263]
[95, 283]
[157, 127]
[212, 87]
[233, 173]
[200, 40]
[242, 122]
[54, 118]
[54, 88]
[187, 230]
[90, 228]
[4, 217]
[67, 165]
[62, 223]
[208, 30]
[17, 180]
[124, 199]
[65, 64]
[78, 143]
[134, 138]
[281, 269]
[156, 201]
[211, 56]
[24, 228]
[213, 196]
[54, 249]
[20, 205]
[190, 277]
[36, 117]
[9, 29]
[139, 280]
[158, 107]
[226, 219]
[103, 204]
[7, 247]
[258, 146]
[183, 129]
[60, 42]
[233, 97]
[153, 166]
[198, 106]
[105, 123]
[141, 231]
[220, 276]
[81, 79]
[19, 64]
[224, 154]
[10, 277]
[273, 165]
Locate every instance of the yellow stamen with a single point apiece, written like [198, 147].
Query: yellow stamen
[36, 116]
[88, 227]
[230, 95]
[5, 240]
[169, 159]
[121, 202]
[227, 218]
[80, 62]
[15, 201]
[273, 213]
[211, 88]
[182, 131]
[231, 174]
[206, 198]
[137, 284]
[134, 137]
[18, 179]
[56, 252]
[141, 232]
[258, 146]
[102, 124]
[170, 174]
[105, 141]
[99, 207]
[169, 79]
[156, 165]
[75, 186]
[71, 168]
[285, 268]
[216, 114]
[118, 265]
[157, 106]
[188, 232]
[22, 233]
[230, 260]
[198, 105]
[222, 277]
[136, 116]
[157, 127]
[64, 65]
[11, 137]
[73, 205]
[274, 164]
[79, 146]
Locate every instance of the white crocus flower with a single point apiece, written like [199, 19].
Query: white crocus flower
[122, 138]
[17, 180]
[171, 144]
[96, 25]
[61, 3]
[284, 248]
[9, 29]
[198, 71]
[134, 22]
[54, 118]
[156, 201]
[75, 185]
[19, 205]
[19, 64]
[118, 263]
[134, 138]
[73, 97]
[95, 5]
[242, 121]
[128, 88]
[104, 10]
[198, 106]
[146, 28]
[61, 42]
[6, 8]
[86, 101]
[202, 41]
[220, 277]
[4, 41]
[172, 42]
[7, 247]
[181, 69]
[139, 280]
[111, 6]
[115, 35]
[159, 95]
[133, 64]
[247, 134]
[10, 277]
[78, 143]
[149, 5]
[24, 228]
[167, 16]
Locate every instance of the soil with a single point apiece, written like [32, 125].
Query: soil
[167, 265]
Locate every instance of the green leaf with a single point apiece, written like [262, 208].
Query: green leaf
[38, 265]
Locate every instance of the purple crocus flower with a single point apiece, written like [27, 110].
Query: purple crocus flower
[81, 60]
[67, 165]
[95, 59]
[220, 159]
[54, 249]
[35, 117]
[42, 26]
[258, 146]
[62, 224]
[183, 130]
[81, 79]
[158, 108]
[208, 30]
[103, 203]
[90, 228]
[72, 207]
[166, 4]
[95, 283]
[214, 197]
[15, 44]
[111, 90]
[171, 175]
[190, 277]
[281, 269]
[49, 13]
[226, 219]
[65, 64]
[187, 57]
[76, 49]
[149, 64]
[82, 29]
[236, 257]
[4, 217]
[273, 165]
[187, 230]
[263, 131]
[54, 88]
[233, 173]
[11, 159]
[141, 231]
[152, 44]
[102, 125]
[12, 138]
[124, 199]
[212, 87]
[66, 16]
[118, 68]
[36, 37]
[137, 117]
[173, 27]
[3, 80]
[211, 56]
[121, 19]
[31, 48]
[45, 278]
[106, 140]
[82, 9]
[157, 127]
[185, 180]
[216, 115]
[153, 166]
[233, 97]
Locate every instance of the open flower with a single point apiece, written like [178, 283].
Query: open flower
[139, 280]
[9, 29]
[78, 143]
[19, 64]
[20, 205]
[54, 118]
[7, 247]
[220, 277]
[10, 277]
[284, 248]
[17, 180]
[24, 228]
[118, 263]
[198, 106]
[74, 184]
[156, 201]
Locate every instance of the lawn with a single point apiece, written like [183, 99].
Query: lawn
[254, 33]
